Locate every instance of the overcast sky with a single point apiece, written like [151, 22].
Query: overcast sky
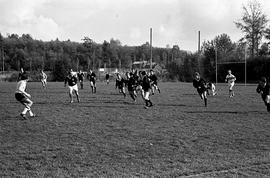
[172, 21]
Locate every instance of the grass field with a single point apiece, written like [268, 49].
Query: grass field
[108, 136]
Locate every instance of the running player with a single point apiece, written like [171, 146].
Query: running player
[146, 88]
[71, 79]
[230, 79]
[120, 84]
[43, 79]
[212, 87]
[107, 78]
[92, 78]
[80, 75]
[264, 89]
[153, 79]
[201, 87]
[23, 97]
[131, 85]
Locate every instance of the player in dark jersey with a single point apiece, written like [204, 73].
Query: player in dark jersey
[131, 86]
[201, 87]
[146, 89]
[71, 80]
[107, 78]
[120, 84]
[92, 78]
[264, 89]
[80, 75]
[154, 79]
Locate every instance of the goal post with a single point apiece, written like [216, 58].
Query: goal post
[233, 62]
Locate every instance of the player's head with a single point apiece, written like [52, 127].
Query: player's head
[22, 70]
[197, 76]
[24, 77]
[263, 81]
[151, 72]
[90, 71]
[229, 72]
[143, 73]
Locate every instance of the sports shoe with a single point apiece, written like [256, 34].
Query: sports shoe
[23, 116]
[34, 115]
[71, 101]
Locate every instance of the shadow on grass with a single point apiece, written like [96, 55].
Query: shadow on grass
[225, 112]
[179, 105]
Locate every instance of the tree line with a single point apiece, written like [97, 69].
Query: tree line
[59, 56]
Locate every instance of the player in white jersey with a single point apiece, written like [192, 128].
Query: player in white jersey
[230, 79]
[23, 97]
[43, 78]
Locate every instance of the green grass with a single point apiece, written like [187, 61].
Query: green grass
[108, 136]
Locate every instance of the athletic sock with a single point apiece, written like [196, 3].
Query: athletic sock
[151, 104]
[24, 111]
[205, 102]
[31, 113]
[146, 103]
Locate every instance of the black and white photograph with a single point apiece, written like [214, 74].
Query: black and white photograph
[134, 88]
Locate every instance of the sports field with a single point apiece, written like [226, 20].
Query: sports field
[106, 135]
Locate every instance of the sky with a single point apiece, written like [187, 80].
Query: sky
[174, 22]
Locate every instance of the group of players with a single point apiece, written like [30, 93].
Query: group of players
[135, 82]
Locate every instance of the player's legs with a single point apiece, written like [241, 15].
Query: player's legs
[27, 103]
[123, 91]
[43, 83]
[132, 95]
[231, 92]
[213, 88]
[81, 83]
[92, 86]
[95, 87]
[148, 102]
[204, 96]
[70, 93]
[76, 91]
[153, 89]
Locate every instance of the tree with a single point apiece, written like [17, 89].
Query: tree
[252, 24]
[224, 47]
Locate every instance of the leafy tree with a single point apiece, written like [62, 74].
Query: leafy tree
[252, 24]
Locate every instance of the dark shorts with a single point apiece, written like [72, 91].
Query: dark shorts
[20, 97]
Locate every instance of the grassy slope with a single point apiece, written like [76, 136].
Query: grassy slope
[108, 136]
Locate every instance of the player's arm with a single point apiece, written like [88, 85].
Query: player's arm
[66, 79]
[116, 84]
[195, 84]
[258, 89]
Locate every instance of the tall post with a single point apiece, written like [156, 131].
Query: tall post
[151, 52]
[199, 41]
[3, 59]
[77, 64]
[2, 55]
[246, 65]
[216, 52]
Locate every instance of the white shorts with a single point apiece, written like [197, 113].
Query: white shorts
[92, 83]
[231, 84]
[146, 95]
[44, 80]
[73, 88]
